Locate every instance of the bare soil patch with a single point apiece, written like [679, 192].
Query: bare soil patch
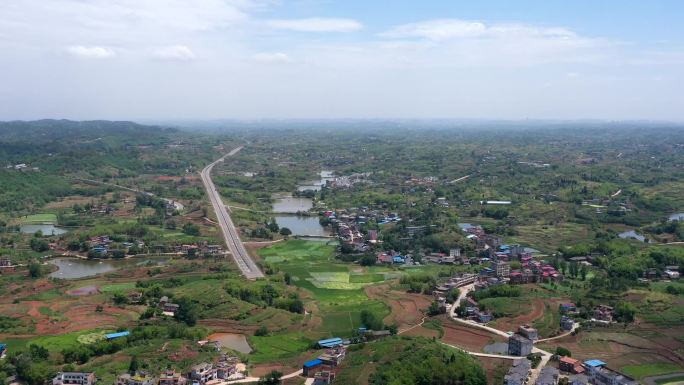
[406, 308]
[468, 338]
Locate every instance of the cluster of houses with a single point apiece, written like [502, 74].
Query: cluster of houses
[594, 372]
[227, 368]
[195, 250]
[21, 167]
[670, 273]
[393, 258]
[324, 368]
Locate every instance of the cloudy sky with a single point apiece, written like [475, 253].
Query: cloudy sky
[246, 59]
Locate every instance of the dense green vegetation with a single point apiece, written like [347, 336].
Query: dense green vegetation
[402, 360]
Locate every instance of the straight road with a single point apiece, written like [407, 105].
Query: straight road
[249, 269]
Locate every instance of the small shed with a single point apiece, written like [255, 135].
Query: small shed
[113, 336]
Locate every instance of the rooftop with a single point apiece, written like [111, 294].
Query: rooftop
[594, 363]
[312, 363]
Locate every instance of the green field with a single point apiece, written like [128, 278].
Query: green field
[647, 370]
[52, 343]
[117, 287]
[39, 218]
[677, 380]
[271, 348]
[337, 287]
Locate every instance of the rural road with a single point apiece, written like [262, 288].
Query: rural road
[177, 205]
[237, 249]
[545, 356]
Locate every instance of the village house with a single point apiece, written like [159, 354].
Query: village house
[6, 265]
[518, 372]
[570, 365]
[600, 374]
[135, 297]
[483, 316]
[566, 323]
[548, 376]
[528, 331]
[604, 313]
[170, 309]
[579, 379]
[74, 378]
[519, 345]
[171, 377]
[333, 356]
[566, 308]
[324, 377]
[671, 272]
[203, 373]
[311, 366]
[3, 349]
[501, 268]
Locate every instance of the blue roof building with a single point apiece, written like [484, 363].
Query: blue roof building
[112, 336]
[310, 365]
[398, 259]
[330, 342]
[3, 347]
[594, 363]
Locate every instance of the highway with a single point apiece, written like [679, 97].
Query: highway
[237, 249]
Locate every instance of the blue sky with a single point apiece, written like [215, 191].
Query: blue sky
[247, 59]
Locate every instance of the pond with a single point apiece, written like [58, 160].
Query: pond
[74, 268]
[45, 228]
[315, 185]
[676, 217]
[631, 234]
[237, 342]
[288, 204]
[302, 225]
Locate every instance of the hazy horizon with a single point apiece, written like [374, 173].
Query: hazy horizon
[243, 60]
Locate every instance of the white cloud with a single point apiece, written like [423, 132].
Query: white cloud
[445, 29]
[91, 52]
[272, 57]
[174, 52]
[316, 24]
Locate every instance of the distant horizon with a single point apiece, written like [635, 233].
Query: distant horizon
[359, 120]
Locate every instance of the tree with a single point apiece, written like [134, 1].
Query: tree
[38, 244]
[187, 311]
[583, 272]
[272, 226]
[624, 312]
[564, 352]
[120, 298]
[35, 270]
[287, 278]
[133, 366]
[370, 320]
[284, 231]
[434, 309]
[272, 378]
[452, 295]
[262, 331]
[367, 260]
[191, 229]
